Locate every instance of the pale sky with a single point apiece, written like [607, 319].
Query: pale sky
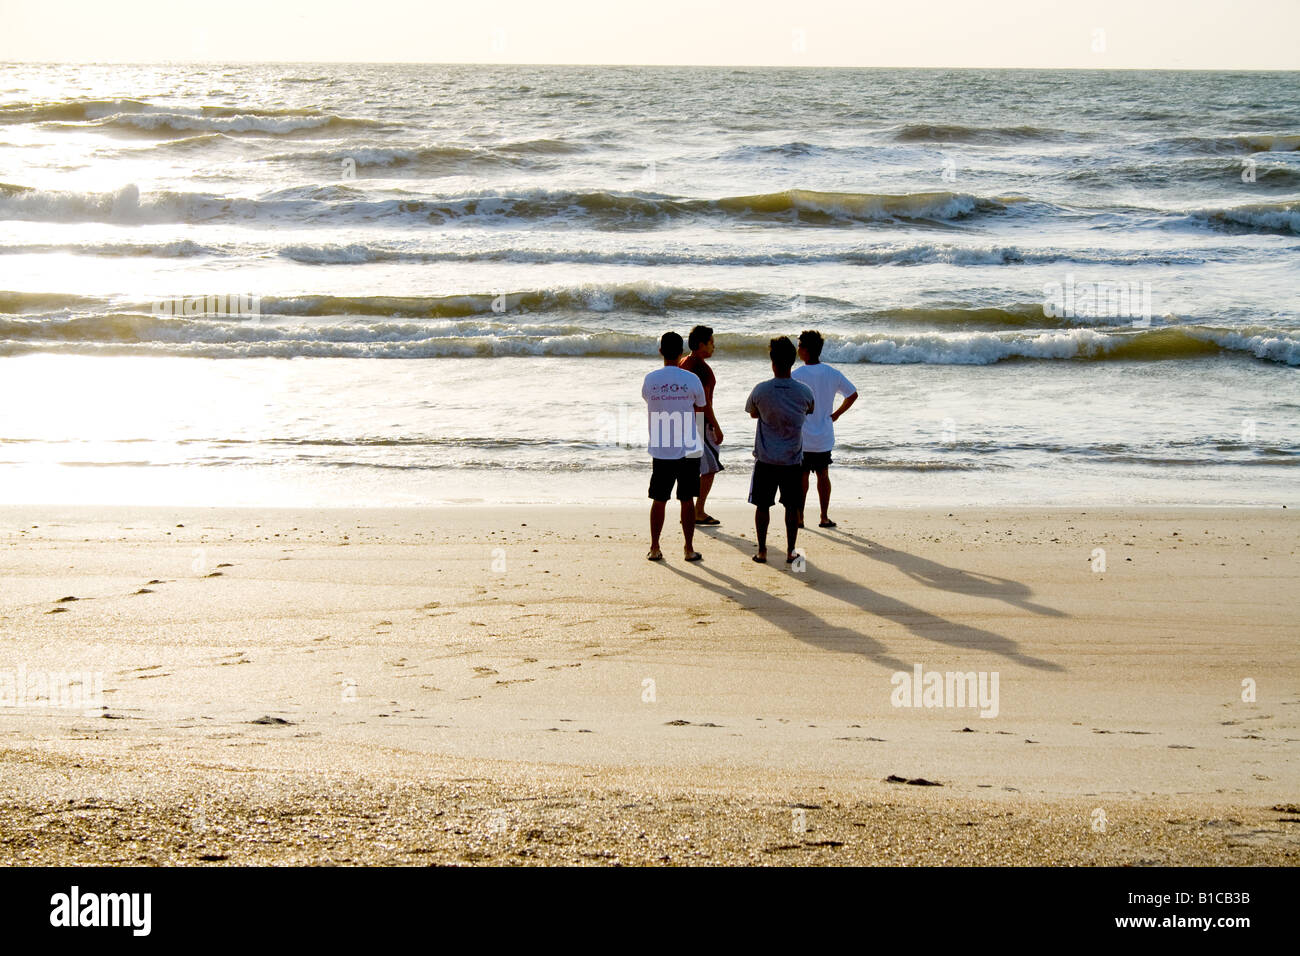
[1103, 34]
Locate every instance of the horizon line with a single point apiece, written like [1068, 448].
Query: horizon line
[698, 66]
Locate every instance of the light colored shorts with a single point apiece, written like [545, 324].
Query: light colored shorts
[710, 464]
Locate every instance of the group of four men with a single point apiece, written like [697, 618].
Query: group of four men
[793, 438]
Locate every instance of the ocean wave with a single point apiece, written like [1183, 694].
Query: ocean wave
[1206, 450]
[422, 158]
[75, 109]
[796, 203]
[80, 108]
[1085, 344]
[595, 208]
[623, 452]
[635, 297]
[543, 147]
[22, 303]
[1021, 316]
[124, 205]
[198, 141]
[792, 150]
[650, 298]
[1283, 217]
[279, 124]
[891, 254]
[1237, 143]
[1214, 171]
[957, 133]
[174, 249]
[627, 298]
[878, 254]
[244, 338]
[1209, 450]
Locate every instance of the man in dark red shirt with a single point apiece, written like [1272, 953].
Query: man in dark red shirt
[701, 345]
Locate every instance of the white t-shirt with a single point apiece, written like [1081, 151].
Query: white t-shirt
[672, 396]
[826, 383]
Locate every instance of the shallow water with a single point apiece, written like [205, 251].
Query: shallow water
[201, 267]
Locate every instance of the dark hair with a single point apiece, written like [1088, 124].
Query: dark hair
[670, 345]
[781, 349]
[811, 341]
[699, 335]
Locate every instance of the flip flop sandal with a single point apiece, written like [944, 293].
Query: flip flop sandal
[695, 556]
[826, 524]
[758, 560]
[709, 520]
[655, 556]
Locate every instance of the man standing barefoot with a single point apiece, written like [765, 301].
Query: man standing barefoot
[819, 429]
[780, 404]
[700, 342]
[673, 396]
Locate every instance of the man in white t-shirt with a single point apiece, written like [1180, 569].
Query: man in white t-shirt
[674, 401]
[819, 427]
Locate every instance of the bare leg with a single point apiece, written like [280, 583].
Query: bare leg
[791, 531]
[706, 485]
[656, 523]
[761, 518]
[823, 490]
[688, 525]
[803, 497]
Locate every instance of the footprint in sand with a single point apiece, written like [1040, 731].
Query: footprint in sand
[140, 670]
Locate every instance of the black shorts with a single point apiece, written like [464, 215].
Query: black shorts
[682, 472]
[768, 478]
[816, 460]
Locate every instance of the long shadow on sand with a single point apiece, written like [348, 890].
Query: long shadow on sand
[811, 629]
[945, 578]
[799, 622]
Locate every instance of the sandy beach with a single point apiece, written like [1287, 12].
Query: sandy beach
[518, 685]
